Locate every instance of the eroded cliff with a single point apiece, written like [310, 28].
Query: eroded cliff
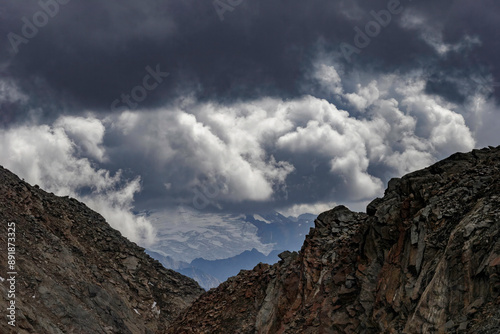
[425, 258]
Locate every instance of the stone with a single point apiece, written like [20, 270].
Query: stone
[403, 267]
[81, 275]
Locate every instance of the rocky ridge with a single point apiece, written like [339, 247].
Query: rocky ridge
[425, 258]
[78, 275]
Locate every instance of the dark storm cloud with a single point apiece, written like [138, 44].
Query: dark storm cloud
[91, 52]
[234, 104]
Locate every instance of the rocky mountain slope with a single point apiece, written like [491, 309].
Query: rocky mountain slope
[425, 258]
[75, 274]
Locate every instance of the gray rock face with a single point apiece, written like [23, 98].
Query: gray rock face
[78, 275]
[424, 259]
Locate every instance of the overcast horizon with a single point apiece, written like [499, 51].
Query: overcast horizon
[241, 106]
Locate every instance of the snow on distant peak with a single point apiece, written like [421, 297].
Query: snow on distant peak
[185, 234]
[259, 217]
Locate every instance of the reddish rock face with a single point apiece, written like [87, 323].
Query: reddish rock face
[425, 259]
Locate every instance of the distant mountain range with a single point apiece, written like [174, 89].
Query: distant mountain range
[210, 273]
[287, 233]
[219, 246]
[206, 281]
[225, 268]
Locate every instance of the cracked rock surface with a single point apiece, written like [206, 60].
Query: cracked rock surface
[425, 258]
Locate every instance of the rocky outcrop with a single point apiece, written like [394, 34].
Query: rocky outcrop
[425, 258]
[75, 274]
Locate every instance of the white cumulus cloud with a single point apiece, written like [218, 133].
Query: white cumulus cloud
[48, 156]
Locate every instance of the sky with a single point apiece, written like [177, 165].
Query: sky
[241, 106]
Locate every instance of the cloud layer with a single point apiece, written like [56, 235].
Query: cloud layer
[57, 158]
[271, 152]
[85, 60]
[260, 111]
[259, 154]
